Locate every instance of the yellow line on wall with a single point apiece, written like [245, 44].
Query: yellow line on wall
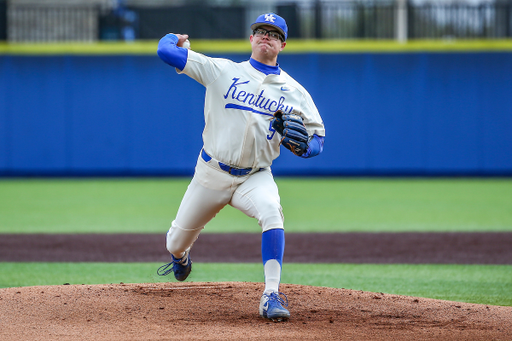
[243, 46]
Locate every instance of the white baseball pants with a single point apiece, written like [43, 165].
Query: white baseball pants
[211, 189]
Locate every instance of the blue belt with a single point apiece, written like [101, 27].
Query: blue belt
[226, 168]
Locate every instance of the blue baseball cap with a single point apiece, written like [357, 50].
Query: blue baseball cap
[272, 19]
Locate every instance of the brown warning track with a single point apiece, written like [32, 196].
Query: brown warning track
[382, 248]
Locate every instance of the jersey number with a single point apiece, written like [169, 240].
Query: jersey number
[272, 130]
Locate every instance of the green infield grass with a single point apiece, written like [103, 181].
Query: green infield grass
[309, 205]
[462, 283]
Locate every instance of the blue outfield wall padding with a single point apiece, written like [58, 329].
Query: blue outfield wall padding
[385, 114]
[496, 112]
[5, 81]
[38, 114]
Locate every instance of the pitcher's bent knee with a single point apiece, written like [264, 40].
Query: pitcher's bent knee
[274, 219]
[179, 240]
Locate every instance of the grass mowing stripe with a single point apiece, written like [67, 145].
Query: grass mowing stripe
[89, 205]
[398, 205]
[484, 284]
[334, 205]
[490, 284]
[14, 274]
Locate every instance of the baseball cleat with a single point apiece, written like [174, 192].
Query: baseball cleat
[271, 306]
[180, 266]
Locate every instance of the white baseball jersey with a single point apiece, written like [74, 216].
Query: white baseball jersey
[239, 106]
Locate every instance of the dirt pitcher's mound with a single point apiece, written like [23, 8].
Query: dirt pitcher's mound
[229, 311]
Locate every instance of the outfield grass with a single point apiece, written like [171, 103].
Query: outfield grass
[332, 205]
[462, 283]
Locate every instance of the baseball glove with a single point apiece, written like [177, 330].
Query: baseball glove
[294, 135]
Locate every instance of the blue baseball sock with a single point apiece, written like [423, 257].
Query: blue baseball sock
[272, 251]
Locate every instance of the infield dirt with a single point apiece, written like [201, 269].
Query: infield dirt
[229, 311]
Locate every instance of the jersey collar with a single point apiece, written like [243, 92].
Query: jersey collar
[266, 69]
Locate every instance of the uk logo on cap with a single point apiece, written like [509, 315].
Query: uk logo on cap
[270, 17]
[274, 20]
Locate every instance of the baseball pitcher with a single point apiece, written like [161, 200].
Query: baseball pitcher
[251, 109]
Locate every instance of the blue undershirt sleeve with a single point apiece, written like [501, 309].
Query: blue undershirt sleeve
[315, 147]
[170, 53]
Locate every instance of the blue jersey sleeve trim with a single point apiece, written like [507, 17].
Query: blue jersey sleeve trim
[170, 53]
[315, 147]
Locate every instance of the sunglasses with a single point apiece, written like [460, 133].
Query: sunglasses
[273, 35]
